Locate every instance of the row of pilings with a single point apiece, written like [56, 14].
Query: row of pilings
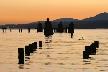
[24, 52]
[48, 30]
[55, 30]
[90, 50]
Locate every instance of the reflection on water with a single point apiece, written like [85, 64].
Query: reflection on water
[59, 53]
[21, 66]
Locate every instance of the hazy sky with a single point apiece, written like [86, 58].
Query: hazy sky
[25, 11]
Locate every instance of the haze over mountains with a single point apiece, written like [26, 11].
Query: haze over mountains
[98, 21]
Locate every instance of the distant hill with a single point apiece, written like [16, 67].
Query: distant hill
[98, 21]
[101, 16]
[65, 20]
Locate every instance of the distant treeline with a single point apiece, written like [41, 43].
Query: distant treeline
[77, 24]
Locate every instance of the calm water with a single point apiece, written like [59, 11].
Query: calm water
[62, 54]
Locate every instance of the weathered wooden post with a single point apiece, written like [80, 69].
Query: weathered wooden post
[88, 49]
[93, 48]
[39, 28]
[28, 30]
[19, 30]
[10, 30]
[48, 30]
[21, 55]
[27, 51]
[40, 43]
[31, 48]
[97, 44]
[85, 55]
[3, 30]
[35, 46]
[71, 29]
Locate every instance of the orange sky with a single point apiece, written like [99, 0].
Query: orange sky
[25, 11]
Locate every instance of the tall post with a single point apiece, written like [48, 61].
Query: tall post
[48, 30]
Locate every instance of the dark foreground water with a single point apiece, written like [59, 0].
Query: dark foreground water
[62, 54]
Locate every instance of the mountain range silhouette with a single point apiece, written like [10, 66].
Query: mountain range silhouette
[101, 16]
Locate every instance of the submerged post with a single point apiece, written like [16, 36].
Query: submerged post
[27, 51]
[93, 48]
[40, 43]
[3, 30]
[21, 55]
[31, 48]
[19, 30]
[71, 29]
[48, 30]
[10, 30]
[28, 30]
[35, 45]
[85, 55]
[97, 44]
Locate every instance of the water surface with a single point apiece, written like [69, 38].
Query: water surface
[61, 54]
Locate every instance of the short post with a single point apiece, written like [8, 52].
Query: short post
[3, 30]
[85, 55]
[88, 49]
[40, 43]
[10, 30]
[19, 30]
[97, 44]
[27, 51]
[65, 30]
[31, 48]
[21, 55]
[28, 30]
[35, 45]
[93, 48]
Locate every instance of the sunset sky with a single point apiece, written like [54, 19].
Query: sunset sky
[26, 11]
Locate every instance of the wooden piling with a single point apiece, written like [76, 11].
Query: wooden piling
[21, 55]
[40, 43]
[27, 51]
[85, 55]
[97, 44]
[35, 45]
[31, 48]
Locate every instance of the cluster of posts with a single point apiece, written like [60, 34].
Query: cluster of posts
[28, 49]
[60, 28]
[48, 30]
[90, 50]
[4, 29]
